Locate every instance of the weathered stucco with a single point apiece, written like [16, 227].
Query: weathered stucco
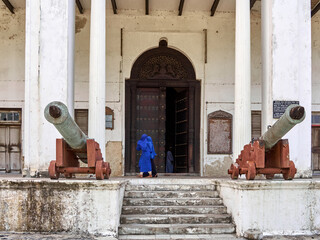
[218, 168]
[114, 157]
[80, 23]
[84, 206]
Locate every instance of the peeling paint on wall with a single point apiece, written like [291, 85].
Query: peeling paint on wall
[80, 23]
[114, 157]
[218, 168]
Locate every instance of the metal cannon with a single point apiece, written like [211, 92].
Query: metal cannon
[269, 155]
[74, 146]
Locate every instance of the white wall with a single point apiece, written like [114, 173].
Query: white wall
[12, 45]
[141, 33]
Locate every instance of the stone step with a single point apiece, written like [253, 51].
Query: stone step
[171, 201]
[171, 194]
[151, 229]
[175, 219]
[174, 210]
[181, 237]
[171, 187]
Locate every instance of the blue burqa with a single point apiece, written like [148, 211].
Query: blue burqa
[150, 145]
[145, 159]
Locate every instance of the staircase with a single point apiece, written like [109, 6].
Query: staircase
[178, 209]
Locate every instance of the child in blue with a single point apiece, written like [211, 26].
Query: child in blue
[145, 159]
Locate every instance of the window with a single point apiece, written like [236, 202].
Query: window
[109, 118]
[10, 116]
[81, 118]
[219, 133]
[315, 120]
[255, 124]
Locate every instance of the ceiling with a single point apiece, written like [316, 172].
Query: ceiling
[162, 5]
[154, 5]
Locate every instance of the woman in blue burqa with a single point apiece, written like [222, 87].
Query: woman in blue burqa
[145, 159]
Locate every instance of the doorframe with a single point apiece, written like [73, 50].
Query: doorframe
[14, 123]
[194, 87]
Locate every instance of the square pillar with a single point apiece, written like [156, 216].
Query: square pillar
[97, 75]
[47, 68]
[242, 101]
[286, 70]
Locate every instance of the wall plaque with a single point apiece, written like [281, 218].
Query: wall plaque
[219, 133]
[279, 107]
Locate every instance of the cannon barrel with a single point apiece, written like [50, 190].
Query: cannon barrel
[57, 114]
[293, 115]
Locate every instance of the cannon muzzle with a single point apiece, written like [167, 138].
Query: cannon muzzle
[57, 114]
[293, 115]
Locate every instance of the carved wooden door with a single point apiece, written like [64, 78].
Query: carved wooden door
[181, 133]
[150, 120]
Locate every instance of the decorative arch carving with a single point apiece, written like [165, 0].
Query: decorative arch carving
[162, 63]
[220, 114]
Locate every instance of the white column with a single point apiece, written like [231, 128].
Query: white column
[97, 73]
[266, 45]
[286, 58]
[46, 78]
[242, 115]
[31, 106]
[71, 36]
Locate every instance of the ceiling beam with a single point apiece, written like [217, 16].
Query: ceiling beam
[181, 7]
[8, 5]
[252, 2]
[214, 7]
[147, 7]
[315, 9]
[114, 6]
[79, 5]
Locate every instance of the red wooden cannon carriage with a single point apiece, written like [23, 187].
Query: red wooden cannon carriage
[269, 155]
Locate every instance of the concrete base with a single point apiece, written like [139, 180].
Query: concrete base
[44, 205]
[273, 207]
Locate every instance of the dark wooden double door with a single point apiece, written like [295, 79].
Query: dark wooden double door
[169, 112]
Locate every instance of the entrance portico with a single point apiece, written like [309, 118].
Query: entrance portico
[234, 89]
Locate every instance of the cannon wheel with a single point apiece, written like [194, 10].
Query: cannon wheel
[53, 173]
[270, 176]
[99, 170]
[235, 172]
[251, 174]
[108, 170]
[288, 174]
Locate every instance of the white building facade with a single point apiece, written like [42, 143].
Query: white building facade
[245, 59]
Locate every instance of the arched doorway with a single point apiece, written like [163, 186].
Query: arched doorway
[163, 101]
